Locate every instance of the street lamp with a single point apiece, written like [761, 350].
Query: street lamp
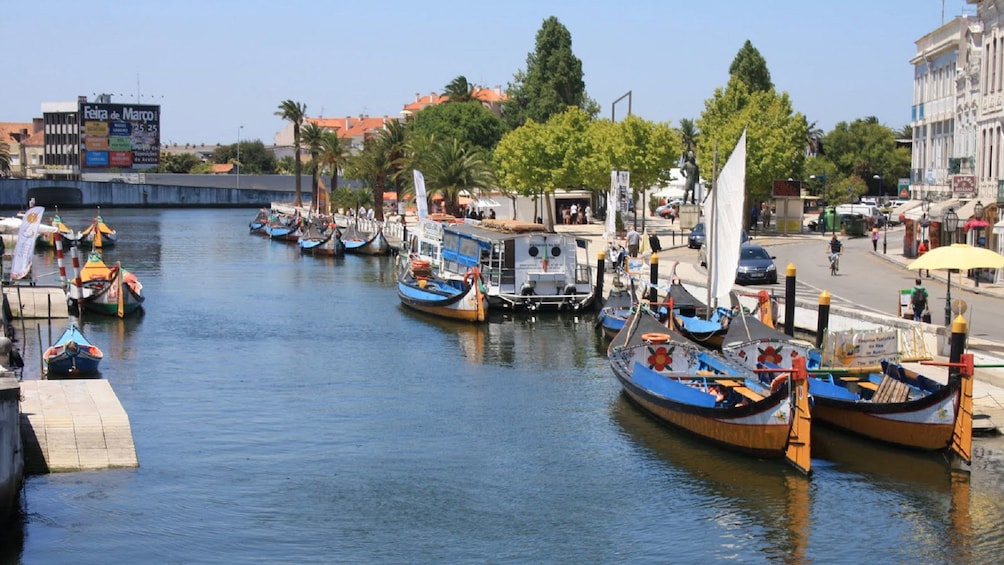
[978, 214]
[239, 128]
[951, 223]
[885, 220]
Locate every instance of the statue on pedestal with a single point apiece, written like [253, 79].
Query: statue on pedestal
[692, 173]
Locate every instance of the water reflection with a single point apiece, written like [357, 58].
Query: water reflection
[756, 493]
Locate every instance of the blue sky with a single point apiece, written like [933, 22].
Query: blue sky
[214, 65]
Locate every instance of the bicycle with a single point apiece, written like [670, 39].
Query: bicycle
[834, 264]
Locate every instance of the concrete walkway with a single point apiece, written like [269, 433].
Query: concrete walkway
[74, 425]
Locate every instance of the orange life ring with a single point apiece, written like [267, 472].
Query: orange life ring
[656, 337]
[778, 382]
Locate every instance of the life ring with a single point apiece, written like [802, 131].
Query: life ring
[778, 382]
[472, 275]
[656, 337]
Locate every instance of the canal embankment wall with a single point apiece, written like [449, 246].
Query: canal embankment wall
[11, 454]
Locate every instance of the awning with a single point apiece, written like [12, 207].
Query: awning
[999, 228]
[902, 208]
[936, 210]
[966, 211]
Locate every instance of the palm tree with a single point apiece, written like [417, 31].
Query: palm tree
[459, 90]
[392, 140]
[312, 136]
[813, 140]
[334, 156]
[295, 113]
[454, 167]
[373, 167]
[688, 134]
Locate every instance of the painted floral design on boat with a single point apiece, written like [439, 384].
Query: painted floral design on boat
[770, 354]
[660, 357]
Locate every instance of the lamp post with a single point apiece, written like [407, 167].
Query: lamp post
[978, 214]
[885, 220]
[239, 128]
[951, 222]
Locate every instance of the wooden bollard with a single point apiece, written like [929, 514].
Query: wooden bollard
[823, 317]
[957, 343]
[789, 300]
[653, 289]
[598, 287]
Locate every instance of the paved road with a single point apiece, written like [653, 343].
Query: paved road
[867, 280]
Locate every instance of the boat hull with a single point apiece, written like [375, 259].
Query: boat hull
[72, 355]
[375, 244]
[443, 298]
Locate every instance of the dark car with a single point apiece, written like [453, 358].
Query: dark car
[756, 265]
[696, 238]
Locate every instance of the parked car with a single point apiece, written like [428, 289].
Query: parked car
[702, 251]
[667, 210]
[696, 238]
[756, 265]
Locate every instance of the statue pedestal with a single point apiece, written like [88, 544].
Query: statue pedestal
[690, 214]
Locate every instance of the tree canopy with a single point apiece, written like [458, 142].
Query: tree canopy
[468, 122]
[751, 68]
[551, 82]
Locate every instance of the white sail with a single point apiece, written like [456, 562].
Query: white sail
[420, 197]
[723, 213]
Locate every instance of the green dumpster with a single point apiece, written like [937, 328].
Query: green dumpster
[854, 225]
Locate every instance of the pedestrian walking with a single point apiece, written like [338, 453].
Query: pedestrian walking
[754, 218]
[921, 250]
[918, 301]
[633, 242]
[875, 234]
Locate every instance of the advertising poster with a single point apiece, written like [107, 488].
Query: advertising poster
[119, 136]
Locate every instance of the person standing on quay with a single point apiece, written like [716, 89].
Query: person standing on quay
[633, 242]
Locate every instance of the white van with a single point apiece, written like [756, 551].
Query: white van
[867, 210]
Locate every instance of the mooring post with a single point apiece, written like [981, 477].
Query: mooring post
[653, 289]
[957, 343]
[823, 317]
[598, 287]
[789, 300]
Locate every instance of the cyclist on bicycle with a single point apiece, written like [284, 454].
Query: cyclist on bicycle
[835, 247]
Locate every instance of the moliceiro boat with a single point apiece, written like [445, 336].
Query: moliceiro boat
[712, 397]
[460, 299]
[111, 291]
[72, 355]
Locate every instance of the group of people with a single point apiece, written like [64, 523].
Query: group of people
[576, 214]
[760, 213]
[480, 214]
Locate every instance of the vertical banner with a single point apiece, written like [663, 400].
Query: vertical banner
[610, 221]
[21, 263]
[420, 199]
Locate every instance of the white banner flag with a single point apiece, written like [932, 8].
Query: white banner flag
[420, 198]
[20, 264]
[610, 221]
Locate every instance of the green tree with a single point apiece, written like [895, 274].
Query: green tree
[334, 155]
[551, 82]
[775, 135]
[454, 167]
[467, 122]
[285, 166]
[865, 148]
[393, 140]
[312, 136]
[813, 141]
[372, 166]
[459, 90]
[522, 161]
[295, 113]
[256, 159]
[751, 68]
[178, 163]
[688, 134]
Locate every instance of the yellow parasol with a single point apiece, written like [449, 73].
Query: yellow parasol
[956, 257]
[959, 256]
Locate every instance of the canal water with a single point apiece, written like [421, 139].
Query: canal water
[287, 409]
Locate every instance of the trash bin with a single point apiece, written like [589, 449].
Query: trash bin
[854, 225]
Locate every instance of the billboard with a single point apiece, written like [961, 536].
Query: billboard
[119, 136]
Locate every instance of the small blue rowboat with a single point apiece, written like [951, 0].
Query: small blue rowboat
[72, 355]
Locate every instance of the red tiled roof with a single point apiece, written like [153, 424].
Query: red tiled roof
[352, 127]
[7, 128]
[222, 168]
